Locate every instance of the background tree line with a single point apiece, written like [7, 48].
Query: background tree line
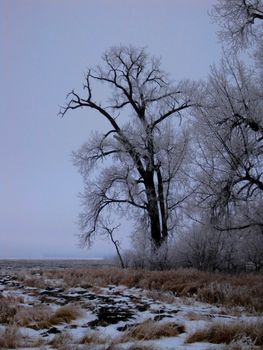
[182, 161]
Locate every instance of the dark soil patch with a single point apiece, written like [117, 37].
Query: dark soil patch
[110, 315]
[52, 330]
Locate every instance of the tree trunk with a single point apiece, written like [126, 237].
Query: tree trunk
[153, 210]
[163, 211]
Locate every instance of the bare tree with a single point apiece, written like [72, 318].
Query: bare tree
[231, 116]
[142, 154]
[199, 248]
[109, 231]
[239, 20]
[230, 139]
[253, 249]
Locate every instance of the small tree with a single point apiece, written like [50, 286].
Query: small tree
[253, 248]
[142, 152]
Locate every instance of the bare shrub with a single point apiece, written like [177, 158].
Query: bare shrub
[226, 333]
[149, 329]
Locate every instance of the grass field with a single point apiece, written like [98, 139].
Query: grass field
[79, 305]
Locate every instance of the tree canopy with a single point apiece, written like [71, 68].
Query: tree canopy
[139, 160]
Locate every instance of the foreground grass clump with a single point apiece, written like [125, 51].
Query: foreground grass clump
[149, 330]
[141, 347]
[245, 290]
[65, 314]
[94, 337]
[8, 308]
[33, 316]
[61, 340]
[42, 316]
[10, 338]
[225, 333]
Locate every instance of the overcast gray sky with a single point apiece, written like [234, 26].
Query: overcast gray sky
[46, 46]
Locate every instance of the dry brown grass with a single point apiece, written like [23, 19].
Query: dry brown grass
[225, 333]
[33, 316]
[10, 338]
[61, 340]
[65, 314]
[42, 316]
[141, 347]
[136, 346]
[149, 330]
[93, 337]
[242, 343]
[245, 290]
[35, 282]
[165, 297]
[8, 308]
[193, 316]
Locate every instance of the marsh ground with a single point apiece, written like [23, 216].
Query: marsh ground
[78, 305]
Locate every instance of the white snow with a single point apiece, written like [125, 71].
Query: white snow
[128, 300]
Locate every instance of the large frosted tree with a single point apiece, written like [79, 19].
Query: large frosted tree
[239, 21]
[229, 116]
[230, 138]
[135, 166]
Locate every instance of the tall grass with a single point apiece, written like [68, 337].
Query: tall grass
[226, 333]
[10, 338]
[245, 290]
[42, 316]
[149, 330]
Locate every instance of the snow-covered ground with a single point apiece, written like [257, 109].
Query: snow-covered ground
[110, 312]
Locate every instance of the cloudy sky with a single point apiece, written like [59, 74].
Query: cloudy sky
[46, 46]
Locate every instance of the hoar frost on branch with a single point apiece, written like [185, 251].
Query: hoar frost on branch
[230, 122]
[141, 157]
[239, 21]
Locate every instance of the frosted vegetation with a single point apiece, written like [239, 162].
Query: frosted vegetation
[114, 309]
[182, 160]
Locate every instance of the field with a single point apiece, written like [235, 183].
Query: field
[82, 305]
